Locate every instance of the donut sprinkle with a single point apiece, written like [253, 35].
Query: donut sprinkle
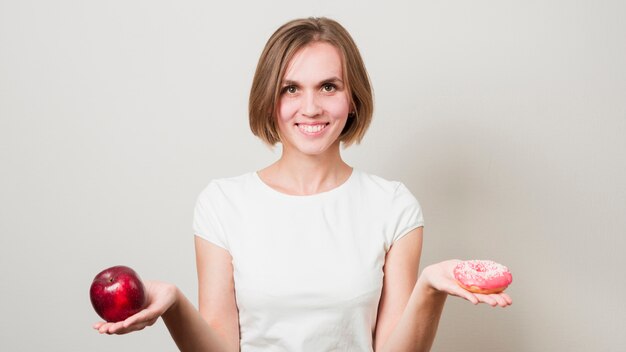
[482, 276]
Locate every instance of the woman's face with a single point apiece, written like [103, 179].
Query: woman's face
[314, 103]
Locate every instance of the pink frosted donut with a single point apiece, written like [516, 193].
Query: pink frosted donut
[482, 276]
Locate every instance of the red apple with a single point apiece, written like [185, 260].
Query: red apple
[117, 293]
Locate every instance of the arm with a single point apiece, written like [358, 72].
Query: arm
[216, 328]
[186, 325]
[417, 325]
[216, 291]
[410, 324]
[213, 328]
[400, 275]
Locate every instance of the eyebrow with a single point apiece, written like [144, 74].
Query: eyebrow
[288, 82]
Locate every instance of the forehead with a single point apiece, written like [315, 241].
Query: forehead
[315, 61]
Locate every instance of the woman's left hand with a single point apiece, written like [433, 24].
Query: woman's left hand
[440, 278]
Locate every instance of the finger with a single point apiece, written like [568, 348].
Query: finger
[151, 322]
[134, 319]
[138, 325]
[142, 316]
[499, 300]
[486, 299]
[139, 321]
[115, 328]
[463, 293]
[507, 298]
[103, 328]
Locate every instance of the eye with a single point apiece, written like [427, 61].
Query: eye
[329, 87]
[290, 89]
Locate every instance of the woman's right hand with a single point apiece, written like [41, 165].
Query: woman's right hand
[161, 296]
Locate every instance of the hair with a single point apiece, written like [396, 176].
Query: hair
[278, 52]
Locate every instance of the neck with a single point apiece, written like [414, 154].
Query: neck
[299, 174]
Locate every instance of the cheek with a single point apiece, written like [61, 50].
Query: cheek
[286, 110]
[339, 107]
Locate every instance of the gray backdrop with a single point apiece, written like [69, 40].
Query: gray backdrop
[507, 119]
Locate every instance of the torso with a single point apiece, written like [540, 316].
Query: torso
[308, 269]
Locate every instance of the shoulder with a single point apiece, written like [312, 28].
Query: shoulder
[228, 187]
[378, 185]
[391, 195]
[392, 203]
[230, 183]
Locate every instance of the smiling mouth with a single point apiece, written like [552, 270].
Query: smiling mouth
[311, 128]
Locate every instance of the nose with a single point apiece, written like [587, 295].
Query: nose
[310, 105]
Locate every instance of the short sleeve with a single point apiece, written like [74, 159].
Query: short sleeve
[206, 222]
[405, 214]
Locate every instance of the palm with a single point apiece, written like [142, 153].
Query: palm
[160, 298]
[440, 276]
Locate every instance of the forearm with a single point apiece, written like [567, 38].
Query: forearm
[417, 327]
[190, 331]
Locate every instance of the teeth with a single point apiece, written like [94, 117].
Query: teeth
[311, 128]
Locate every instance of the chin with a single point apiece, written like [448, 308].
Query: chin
[321, 151]
[312, 146]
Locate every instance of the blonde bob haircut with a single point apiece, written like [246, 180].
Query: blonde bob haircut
[278, 51]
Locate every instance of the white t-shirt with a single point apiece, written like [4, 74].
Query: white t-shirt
[308, 270]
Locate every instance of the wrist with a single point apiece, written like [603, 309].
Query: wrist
[177, 295]
[425, 284]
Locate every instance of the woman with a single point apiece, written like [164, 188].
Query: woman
[307, 254]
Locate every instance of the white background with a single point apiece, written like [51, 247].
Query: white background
[507, 119]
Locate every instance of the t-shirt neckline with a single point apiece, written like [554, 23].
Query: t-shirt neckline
[267, 188]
